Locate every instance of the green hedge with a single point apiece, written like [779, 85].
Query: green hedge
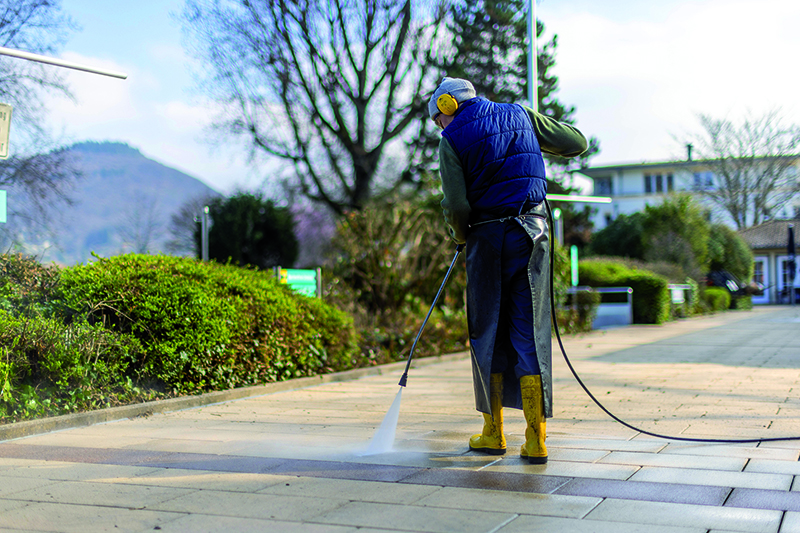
[742, 303]
[577, 316]
[206, 326]
[651, 298]
[717, 298]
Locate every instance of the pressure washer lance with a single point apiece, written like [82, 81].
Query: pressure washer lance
[419, 333]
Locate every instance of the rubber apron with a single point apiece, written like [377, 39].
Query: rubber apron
[484, 302]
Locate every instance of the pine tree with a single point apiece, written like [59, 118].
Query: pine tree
[490, 48]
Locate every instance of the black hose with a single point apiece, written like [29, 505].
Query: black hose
[595, 400]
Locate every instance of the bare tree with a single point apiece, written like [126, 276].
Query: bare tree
[754, 164]
[38, 172]
[333, 87]
[141, 224]
[183, 226]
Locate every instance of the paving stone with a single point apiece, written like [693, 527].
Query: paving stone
[226, 524]
[637, 490]
[367, 491]
[526, 524]
[513, 502]
[246, 505]
[566, 469]
[487, 480]
[735, 464]
[63, 471]
[99, 494]
[773, 467]
[764, 499]
[731, 450]
[201, 479]
[717, 478]
[685, 515]
[76, 518]
[791, 523]
[12, 485]
[610, 445]
[423, 519]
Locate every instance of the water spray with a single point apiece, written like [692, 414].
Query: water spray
[384, 436]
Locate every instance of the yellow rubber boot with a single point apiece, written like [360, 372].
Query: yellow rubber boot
[492, 440]
[534, 449]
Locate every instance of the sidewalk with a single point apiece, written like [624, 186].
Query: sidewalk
[291, 461]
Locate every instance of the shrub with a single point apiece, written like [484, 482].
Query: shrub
[742, 302]
[26, 286]
[677, 231]
[729, 251]
[651, 299]
[50, 368]
[622, 237]
[206, 326]
[579, 318]
[387, 264]
[717, 299]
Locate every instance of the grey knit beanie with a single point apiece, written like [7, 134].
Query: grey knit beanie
[461, 90]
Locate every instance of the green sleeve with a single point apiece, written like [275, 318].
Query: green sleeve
[455, 206]
[556, 137]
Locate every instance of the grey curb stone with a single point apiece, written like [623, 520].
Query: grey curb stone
[55, 423]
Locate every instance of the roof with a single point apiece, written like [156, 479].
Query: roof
[602, 171]
[595, 172]
[772, 234]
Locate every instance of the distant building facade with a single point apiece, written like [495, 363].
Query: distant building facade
[772, 266]
[634, 186]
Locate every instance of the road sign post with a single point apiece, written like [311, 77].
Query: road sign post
[5, 129]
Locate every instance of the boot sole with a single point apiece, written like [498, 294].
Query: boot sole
[535, 460]
[490, 451]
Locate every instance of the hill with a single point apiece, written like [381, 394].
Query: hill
[123, 201]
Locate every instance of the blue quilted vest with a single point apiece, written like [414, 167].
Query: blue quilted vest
[500, 157]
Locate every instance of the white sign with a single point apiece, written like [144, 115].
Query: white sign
[5, 127]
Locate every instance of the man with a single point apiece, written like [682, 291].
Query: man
[493, 179]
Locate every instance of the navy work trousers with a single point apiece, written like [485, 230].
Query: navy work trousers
[515, 323]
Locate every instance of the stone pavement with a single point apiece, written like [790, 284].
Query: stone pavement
[292, 460]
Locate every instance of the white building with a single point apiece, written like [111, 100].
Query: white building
[633, 186]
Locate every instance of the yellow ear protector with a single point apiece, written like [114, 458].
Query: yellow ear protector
[447, 104]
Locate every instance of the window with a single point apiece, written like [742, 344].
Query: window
[703, 181]
[758, 272]
[658, 183]
[786, 267]
[603, 186]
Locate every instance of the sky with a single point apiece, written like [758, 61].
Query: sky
[637, 72]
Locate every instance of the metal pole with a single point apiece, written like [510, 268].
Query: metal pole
[533, 78]
[204, 234]
[60, 63]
